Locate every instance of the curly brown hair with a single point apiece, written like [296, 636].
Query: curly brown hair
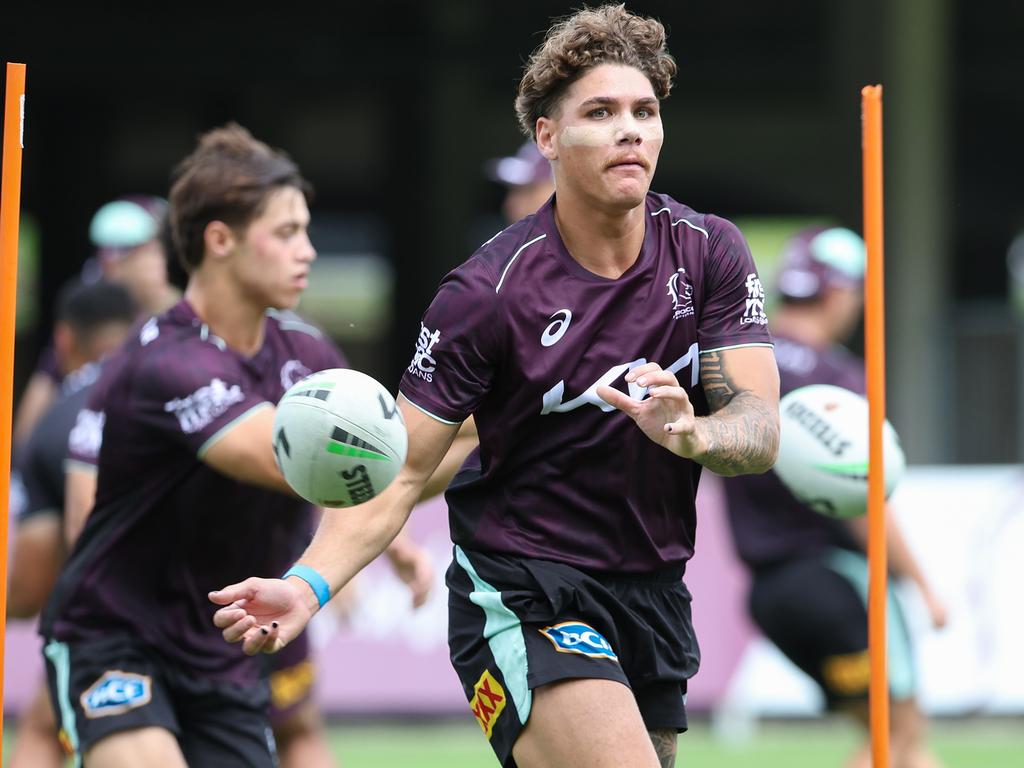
[229, 177]
[606, 35]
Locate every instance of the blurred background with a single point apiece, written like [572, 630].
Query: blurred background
[391, 110]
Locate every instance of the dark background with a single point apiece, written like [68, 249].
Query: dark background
[390, 109]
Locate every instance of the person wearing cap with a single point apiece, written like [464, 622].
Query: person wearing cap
[128, 236]
[808, 571]
[527, 179]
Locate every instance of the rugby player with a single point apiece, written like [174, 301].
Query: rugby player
[187, 489]
[608, 347]
[808, 572]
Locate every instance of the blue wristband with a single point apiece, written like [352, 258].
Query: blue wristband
[312, 577]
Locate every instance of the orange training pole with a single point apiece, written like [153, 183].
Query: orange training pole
[874, 344]
[10, 203]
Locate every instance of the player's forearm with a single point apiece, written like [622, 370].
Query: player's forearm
[741, 438]
[900, 558]
[347, 540]
[449, 466]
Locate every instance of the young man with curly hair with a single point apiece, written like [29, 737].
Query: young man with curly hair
[609, 347]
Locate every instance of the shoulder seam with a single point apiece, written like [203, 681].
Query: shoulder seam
[515, 256]
[295, 323]
[685, 221]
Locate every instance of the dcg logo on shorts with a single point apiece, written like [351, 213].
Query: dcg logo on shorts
[577, 637]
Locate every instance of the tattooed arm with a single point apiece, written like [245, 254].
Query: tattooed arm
[665, 742]
[742, 432]
[740, 436]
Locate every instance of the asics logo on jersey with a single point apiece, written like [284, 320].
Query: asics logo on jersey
[577, 637]
[552, 401]
[116, 692]
[199, 409]
[754, 311]
[681, 293]
[423, 363]
[557, 328]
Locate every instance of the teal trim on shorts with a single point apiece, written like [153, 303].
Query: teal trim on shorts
[60, 657]
[504, 634]
[900, 662]
[201, 453]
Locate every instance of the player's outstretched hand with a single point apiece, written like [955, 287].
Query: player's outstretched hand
[412, 564]
[263, 614]
[937, 611]
[665, 415]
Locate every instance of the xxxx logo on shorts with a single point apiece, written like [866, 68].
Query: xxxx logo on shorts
[577, 637]
[488, 701]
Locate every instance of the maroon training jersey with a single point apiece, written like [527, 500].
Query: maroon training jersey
[166, 528]
[769, 524]
[521, 336]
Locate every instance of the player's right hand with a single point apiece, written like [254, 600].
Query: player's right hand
[263, 614]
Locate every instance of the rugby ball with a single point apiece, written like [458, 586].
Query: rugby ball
[339, 437]
[823, 450]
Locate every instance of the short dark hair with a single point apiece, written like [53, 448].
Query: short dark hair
[86, 307]
[228, 177]
[590, 37]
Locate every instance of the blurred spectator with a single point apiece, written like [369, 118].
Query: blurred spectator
[527, 179]
[809, 573]
[127, 233]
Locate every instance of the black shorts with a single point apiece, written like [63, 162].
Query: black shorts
[292, 674]
[814, 608]
[102, 687]
[515, 624]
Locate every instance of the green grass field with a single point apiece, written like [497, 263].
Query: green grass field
[960, 744]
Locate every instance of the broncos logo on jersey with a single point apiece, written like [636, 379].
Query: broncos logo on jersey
[681, 292]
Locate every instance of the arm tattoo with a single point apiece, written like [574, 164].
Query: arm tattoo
[665, 746]
[743, 431]
[718, 388]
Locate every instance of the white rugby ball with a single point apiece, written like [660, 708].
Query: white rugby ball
[339, 437]
[823, 450]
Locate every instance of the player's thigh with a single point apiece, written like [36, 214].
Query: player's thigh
[589, 722]
[151, 747]
[817, 619]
